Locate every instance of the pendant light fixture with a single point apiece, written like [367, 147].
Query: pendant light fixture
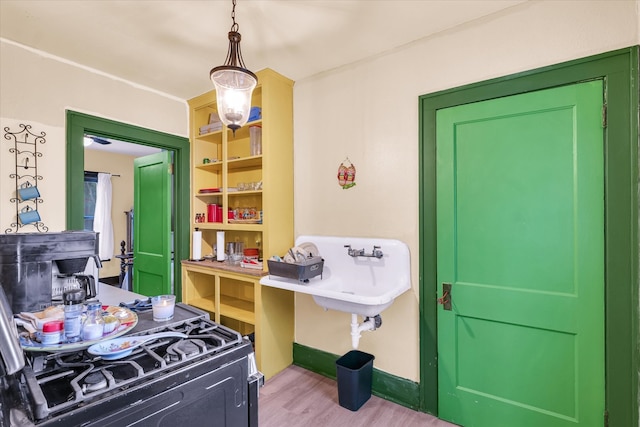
[233, 82]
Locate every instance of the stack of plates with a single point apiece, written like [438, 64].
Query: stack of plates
[301, 252]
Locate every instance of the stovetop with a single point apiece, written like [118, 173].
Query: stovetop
[57, 383]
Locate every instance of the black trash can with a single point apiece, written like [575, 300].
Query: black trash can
[354, 371]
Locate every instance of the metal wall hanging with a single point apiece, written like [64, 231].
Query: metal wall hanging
[27, 196]
[346, 174]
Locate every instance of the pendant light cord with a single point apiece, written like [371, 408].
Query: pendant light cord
[234, 27]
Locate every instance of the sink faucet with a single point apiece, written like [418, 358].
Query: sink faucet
[354, 252]
[376, 253]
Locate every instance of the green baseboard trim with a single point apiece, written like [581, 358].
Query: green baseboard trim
[389, 387]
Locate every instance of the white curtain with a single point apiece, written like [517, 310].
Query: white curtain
[102, 217]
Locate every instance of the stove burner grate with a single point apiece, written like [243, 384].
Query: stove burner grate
[62, 383]
[185, 349]
[94, 381]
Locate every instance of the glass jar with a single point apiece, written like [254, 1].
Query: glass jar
[93, 326]
[73, 301]
[52, 332]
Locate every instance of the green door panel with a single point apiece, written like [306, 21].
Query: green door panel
[152, 224]
[520, 236]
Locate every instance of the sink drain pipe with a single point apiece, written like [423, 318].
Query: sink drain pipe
[369, 324]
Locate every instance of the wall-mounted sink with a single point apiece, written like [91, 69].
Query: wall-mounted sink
[363, 285]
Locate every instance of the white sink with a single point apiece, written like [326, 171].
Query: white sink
[359, 285]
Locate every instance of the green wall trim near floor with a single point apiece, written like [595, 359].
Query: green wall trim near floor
[389, 387]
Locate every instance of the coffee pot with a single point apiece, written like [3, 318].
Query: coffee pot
[73, 270]
[37, 268]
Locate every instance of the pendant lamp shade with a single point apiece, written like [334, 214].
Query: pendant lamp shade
[233, 82]
[234, 87]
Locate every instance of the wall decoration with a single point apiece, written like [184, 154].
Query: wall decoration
[346, 174]
[27, 196]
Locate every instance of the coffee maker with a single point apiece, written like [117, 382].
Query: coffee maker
[36, 268]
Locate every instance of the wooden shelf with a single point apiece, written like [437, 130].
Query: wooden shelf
[245, 162]
[243, 132]
[204, 303]
[236, 308]
[210, 167]
[214, 137]
[231, 193]
[222, 268]
[238, 295]
[245, 193]
[230, 227]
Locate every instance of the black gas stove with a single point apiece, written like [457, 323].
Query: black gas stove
[208, 378]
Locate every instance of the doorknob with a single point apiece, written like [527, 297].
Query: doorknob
[445, 299]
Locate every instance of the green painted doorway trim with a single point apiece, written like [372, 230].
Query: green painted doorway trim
[619, 71]
[78, 124]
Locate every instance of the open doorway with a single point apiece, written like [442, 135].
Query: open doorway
[79, 125]
[115, 158]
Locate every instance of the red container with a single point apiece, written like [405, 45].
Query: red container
[252, 252]
[212, 212]
[53, 326]
[52, 332]
[218, 217]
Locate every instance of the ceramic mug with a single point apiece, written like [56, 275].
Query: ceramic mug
[28, 192]
[28, 216]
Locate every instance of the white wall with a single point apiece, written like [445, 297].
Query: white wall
[368, 112]
[37, 89]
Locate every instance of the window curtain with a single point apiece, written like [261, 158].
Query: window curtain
[102, 217]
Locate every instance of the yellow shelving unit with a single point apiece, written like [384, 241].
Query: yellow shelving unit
[231, 294]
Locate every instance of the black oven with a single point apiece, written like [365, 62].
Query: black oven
[208, 378]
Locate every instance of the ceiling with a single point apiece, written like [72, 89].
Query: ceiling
[122, 147]
[170, 46]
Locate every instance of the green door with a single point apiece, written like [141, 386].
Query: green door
[152, 224]
[520, 238]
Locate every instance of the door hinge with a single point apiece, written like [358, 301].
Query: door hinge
[606, 418]
[170, 168]
[604, 115]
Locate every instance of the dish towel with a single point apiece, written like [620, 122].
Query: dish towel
[102, 216]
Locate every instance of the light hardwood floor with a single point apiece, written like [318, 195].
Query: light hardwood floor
[298, 397]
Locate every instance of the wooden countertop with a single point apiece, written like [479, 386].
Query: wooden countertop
[223, 266]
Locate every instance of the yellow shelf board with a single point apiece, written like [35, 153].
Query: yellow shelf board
[207, 196]
[238, 309]
[231, 193]
[223, 269]
[233, 164]
[215, 137]
[229, 227]
[210, 167]
[243, 132]
[204, 303]
[245, 162]
[244, 193]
